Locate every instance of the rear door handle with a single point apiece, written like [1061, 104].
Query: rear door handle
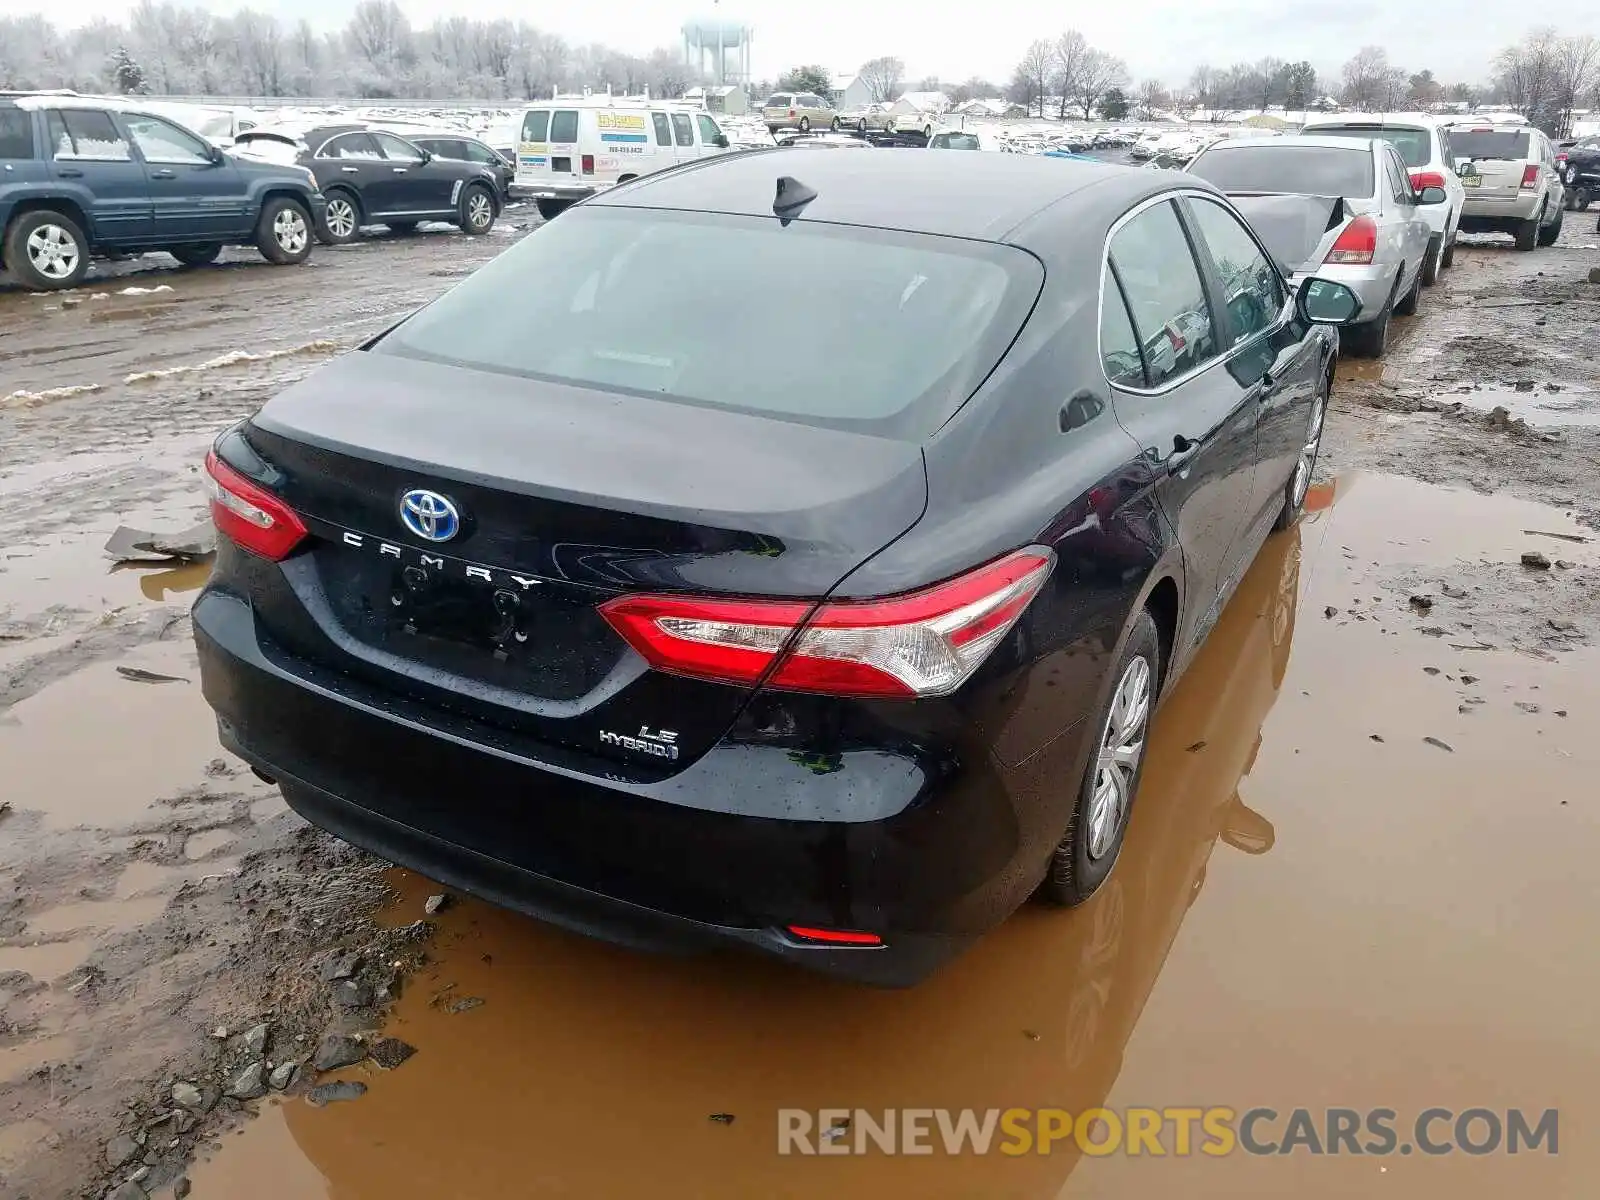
[69, 172]
[351, 170]
[164, 173]
[1183, 452]
[400, 170]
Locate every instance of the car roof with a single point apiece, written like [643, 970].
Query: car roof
[1302, 140]
[956, 195]
[1403, 120]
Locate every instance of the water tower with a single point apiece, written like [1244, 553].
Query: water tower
[711, 39]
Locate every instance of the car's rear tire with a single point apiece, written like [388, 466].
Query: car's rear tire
[861, 125]
[1583, 200]
[551, 209]
[1407, 304]
[834, 125]
[477, 209]
[1552, 231]
[1294, 492]
[1449, 258]
[1527, 234]
[283, 232]
[805, 125]
[47, 251]
[341, 222]
[196, 256]
[1088, 849]
[1432, 261]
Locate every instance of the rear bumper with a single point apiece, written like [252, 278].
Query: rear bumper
[559, 191]
[1494, 211]
[616, 861]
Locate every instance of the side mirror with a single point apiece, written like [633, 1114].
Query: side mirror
[1324, 302]
[722, 141]
[217, 155]
[427, 155]
[1431, 195]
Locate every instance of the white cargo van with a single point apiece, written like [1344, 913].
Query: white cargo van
[569, 148]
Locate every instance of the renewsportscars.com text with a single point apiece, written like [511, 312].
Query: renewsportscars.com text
[1178, 1131]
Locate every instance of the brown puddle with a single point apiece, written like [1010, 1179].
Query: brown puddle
[1302, 917]
[98, 748]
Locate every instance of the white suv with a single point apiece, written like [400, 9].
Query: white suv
[1424, 146]
[1512, 182]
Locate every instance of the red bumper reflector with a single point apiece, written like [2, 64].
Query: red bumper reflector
[838, 937]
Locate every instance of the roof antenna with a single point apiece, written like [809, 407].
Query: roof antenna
[791, 200]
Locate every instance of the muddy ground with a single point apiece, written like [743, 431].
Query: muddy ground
[1395, 723]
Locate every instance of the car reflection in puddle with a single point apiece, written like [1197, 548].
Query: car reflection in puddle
[591, 1070]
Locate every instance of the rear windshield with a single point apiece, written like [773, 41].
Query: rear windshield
[1415, 145]
[657, 303]
[1479, 144]
[16, 133]
[956, 141]
[1307, 170]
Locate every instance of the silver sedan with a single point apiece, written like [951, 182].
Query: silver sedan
[1336, 208]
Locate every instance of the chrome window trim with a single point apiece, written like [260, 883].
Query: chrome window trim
[1177, 381]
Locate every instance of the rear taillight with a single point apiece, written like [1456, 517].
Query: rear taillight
[1174, 337]
[1426, 179]
[1356, 244]
[926, 643]
[588, 164]
[791, 113]
[249, 514]
[833, 937]
[1530, 177]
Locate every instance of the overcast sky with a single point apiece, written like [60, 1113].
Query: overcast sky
[1161, 38]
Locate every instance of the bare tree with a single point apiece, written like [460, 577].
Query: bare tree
[1032, 79]
[1097, 74]
[1366, 77]
[1068, 58]
[882, 77]
[1150, 99]
[1202, 85]
[258, 45]
[1577, 74]
[1527, 74]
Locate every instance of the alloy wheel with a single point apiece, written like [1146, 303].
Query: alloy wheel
[53, 252]
[290, 232]
[1308, 452]
[341, 218]
[479, 211]
[1121, 748]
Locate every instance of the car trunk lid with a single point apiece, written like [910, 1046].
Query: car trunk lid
[1298, 231]
[567, 497]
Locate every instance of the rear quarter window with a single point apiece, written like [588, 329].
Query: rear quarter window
[564, 126]
[16, 133]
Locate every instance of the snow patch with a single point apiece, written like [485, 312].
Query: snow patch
[144, 291]
[234, 358]
[27, 399]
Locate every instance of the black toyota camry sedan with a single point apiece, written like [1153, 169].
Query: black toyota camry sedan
[624, 602]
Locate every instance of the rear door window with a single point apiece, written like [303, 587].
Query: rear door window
[1252, 289]
[781, 100]
[1166, 298]
[535, 125]
[564, 126]
[351, 145]
[397, 149]
[91, 135]
[16, 133]
[683, 129]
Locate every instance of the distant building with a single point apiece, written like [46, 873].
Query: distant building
[850, 91]
[728, 101]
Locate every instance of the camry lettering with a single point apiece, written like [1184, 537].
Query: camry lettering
[420, 562]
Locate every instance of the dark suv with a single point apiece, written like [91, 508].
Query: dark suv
[372, 177]
[81, 176]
